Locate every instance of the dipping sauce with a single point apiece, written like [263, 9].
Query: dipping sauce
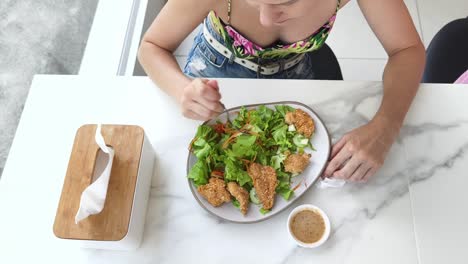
[307, 226]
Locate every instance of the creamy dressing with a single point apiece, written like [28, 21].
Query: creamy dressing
[307, 226]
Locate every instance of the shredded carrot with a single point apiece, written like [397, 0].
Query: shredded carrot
[246, 163]
[228, 130]
[259, 143]
[191, 144]
[297, 186]
[231, 138]
[248, 117]
[246, 160]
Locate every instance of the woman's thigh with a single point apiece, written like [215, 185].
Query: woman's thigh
[317, 65]
[447, 54]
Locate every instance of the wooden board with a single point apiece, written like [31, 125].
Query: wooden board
[112, 223]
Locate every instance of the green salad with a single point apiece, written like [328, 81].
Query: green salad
[262, 136]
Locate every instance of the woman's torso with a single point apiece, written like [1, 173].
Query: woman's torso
[245, 19]
[205, 61]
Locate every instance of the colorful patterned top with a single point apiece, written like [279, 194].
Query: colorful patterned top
[246, 49]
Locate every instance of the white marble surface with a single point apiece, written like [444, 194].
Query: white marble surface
[436, 143]
[372, 223]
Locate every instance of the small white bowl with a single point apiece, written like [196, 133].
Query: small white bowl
[326, 234]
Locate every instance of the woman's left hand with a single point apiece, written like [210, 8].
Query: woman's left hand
[360, 153]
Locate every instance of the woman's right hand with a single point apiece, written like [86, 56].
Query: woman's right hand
[200, 99]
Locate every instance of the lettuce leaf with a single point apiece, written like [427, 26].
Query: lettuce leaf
[284, 182]
[300, 141]
[239, 121]
[243, 148]
[277, 160]
[279, 133]
[204, 131]
[234, 172]
[283, 109]
[199, 173]
[205, 139]
[201, 148]
[284, 191]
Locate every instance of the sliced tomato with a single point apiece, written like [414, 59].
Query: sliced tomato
[219, 128]
[217, 174]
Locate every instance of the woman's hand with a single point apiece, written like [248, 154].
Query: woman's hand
[200, 100]
[360, 153]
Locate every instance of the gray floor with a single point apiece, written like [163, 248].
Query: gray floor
[37, 37]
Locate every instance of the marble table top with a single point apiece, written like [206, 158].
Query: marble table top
[413, 211]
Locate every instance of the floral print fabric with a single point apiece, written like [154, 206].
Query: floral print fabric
[244, 48]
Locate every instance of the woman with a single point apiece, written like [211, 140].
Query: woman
[284, 39]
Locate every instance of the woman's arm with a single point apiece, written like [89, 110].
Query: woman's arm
[199, 99]
[363, 150]
[392, 24]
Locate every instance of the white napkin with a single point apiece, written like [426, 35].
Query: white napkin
[330, 183]
[93, 197]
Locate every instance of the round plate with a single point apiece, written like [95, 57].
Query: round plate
[320, 141]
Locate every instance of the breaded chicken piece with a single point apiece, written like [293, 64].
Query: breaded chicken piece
[241, 195]
[265, 182]
[296, 163]
[215, 192]
[302, 121]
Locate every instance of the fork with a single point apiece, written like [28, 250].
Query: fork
[227, 112]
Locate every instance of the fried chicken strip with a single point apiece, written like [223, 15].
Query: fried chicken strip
[265, 182]
[302, 121]
[241, 195]
[296, 163]
[215, 192]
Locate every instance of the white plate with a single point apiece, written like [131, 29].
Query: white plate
[320, 141]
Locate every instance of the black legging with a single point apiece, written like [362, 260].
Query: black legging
[447, 55]
[326, 66]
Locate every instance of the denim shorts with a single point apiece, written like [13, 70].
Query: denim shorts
[204, 61]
